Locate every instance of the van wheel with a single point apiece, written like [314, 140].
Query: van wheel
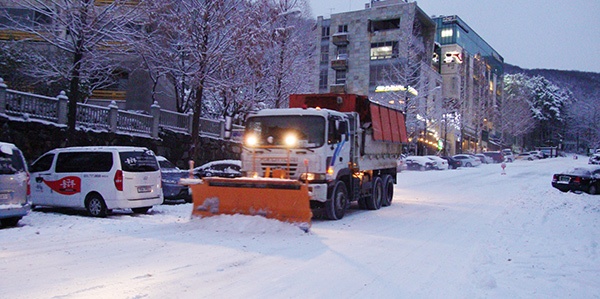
[388, 190]
[142, 210]
[335, 207]
[374, 201]
[95, 206]
[10, 222]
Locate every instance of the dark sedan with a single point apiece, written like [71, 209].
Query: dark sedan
[452, 163]
[170, 176]
[578, 179]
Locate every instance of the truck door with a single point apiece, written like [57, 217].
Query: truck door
[339, 141]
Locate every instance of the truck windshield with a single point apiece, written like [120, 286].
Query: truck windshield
[272, 130]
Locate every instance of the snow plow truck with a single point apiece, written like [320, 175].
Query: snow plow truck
[324, 152]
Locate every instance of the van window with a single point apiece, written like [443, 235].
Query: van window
[138, 161]
[11, 164]
[84, 162]
[42, 164]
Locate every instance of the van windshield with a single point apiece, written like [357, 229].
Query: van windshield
[11, 164]
[139, 161]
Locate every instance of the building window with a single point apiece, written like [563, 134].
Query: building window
[385, 50]
[324, 54]
[325, 32]
[343, 28]
[342, 52]
[323, 79]
[340, 77]
[381, 25]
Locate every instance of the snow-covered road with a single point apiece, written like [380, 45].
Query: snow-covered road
[466, 233]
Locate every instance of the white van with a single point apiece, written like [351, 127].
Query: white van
[98, 179]
[14, 185]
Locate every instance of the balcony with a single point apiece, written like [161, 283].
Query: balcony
[17, 35]
[118, 95]
[340, 39]
[340, 63]
[337, 88]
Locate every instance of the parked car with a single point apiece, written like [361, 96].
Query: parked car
[539, 154]
[219, 168]
[526, 156]
[441, 164]
[496, 156]
[484, 159]
[419, 163]
[170, 175]
[14, 185]
[578, 179]
[508, 155]
[467, 160]
[594, 159]
[401, 163]
[97, 179]
[452, 163]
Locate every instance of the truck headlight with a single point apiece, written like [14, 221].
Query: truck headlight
[311, 177]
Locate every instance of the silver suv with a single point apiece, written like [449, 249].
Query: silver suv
[14, 185]
[508, 155]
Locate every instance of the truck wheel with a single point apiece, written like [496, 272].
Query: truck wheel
[335, 207]
[374, 201]
[95, 205]
[388, 190]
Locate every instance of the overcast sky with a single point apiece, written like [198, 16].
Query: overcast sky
[548, 34]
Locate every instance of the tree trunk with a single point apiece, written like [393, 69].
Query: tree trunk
[74, 93]
[195, 146]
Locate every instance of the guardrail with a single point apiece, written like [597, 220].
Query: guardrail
[112, 119]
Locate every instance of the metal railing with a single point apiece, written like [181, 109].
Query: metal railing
[31, 106]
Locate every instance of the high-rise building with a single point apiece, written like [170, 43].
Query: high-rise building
[472, 73]
[383, 51]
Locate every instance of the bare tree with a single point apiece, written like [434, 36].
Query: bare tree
[74, 41]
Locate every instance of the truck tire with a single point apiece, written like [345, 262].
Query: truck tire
[374, 201]
[335, 207]
[388, 190]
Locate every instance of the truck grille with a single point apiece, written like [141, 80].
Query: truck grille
[284, 166]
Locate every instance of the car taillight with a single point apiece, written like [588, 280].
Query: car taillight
[28, 185]
[554, 178]
[577, 180]
[119, 180]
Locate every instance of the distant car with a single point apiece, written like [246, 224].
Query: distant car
[170, 175]
[508, 155]
[14, 185]
[220, 168]
[419, 163]
[441, 164]
[467, 160]
[496, 156]
[594, 159]
[484, 159]
[452, 163]
[539, 154]
[401, 163]
[578, 179]
[527, 156]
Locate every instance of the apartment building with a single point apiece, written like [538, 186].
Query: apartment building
[383, 51]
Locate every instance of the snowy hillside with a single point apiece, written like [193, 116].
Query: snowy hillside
[466, 233]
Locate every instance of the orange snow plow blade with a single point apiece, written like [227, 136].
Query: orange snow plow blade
[281, 199]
